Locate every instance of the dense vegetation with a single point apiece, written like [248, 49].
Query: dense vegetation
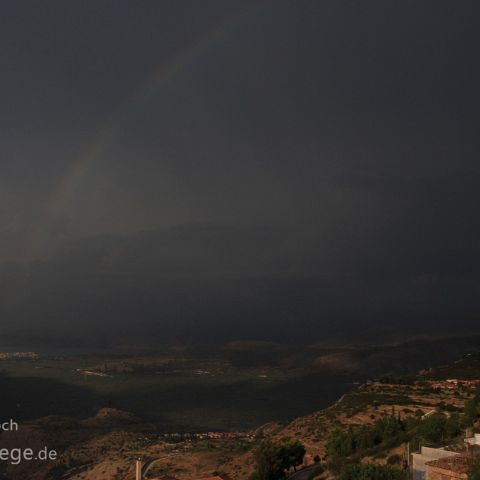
[389, 432]
[346, 447]
[273, 459]
[371, 471]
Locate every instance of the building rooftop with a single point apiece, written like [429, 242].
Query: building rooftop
[456, 463]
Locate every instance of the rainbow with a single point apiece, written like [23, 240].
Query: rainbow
[158, 80]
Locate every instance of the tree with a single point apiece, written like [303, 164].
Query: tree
[339, 444]
[453, 426]
[366, 437]
[433, 428]
[293, 452]
[274, 458]
[472, 409]
[269, 464]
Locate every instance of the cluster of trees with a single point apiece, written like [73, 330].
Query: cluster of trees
[438, 429]
[345, 448]
[345, 443]
[273, 458]
[389, 432]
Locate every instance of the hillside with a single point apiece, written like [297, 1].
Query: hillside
[105, 446]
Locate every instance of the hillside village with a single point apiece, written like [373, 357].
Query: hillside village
[18, 356]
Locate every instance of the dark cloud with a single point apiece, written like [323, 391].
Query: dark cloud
[252, 166]
[208, 283]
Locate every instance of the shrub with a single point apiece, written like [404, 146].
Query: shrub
[474, 468]
[394, 459]
[371, 471]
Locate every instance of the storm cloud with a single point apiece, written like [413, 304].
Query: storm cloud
[210, 170]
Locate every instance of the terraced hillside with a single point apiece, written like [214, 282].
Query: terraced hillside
[106, 445]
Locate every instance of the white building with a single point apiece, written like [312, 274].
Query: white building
[427, 454]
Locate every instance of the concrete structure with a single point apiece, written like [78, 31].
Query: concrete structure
[138, 469]
[419, 460]
[449, 468]
[475, 440]
[429, 414]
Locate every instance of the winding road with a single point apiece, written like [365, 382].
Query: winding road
[302, 474]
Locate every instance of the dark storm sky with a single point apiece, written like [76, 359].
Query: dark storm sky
[329, 148]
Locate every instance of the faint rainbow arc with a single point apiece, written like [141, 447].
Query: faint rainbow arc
[156, 81]
[68, 184]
